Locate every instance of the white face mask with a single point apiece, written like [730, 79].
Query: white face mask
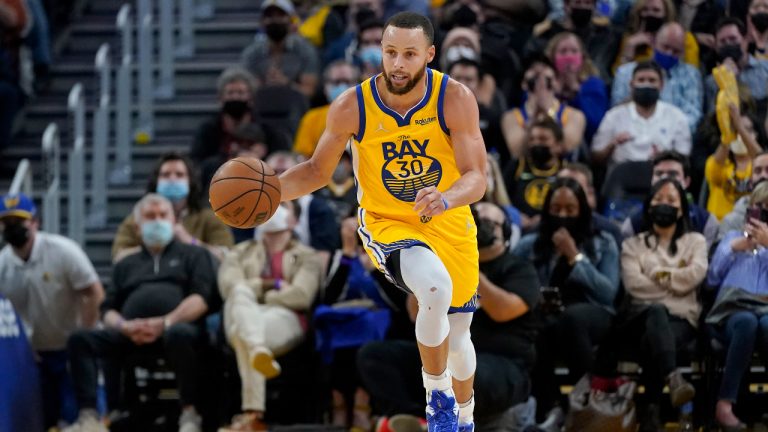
[278, 221]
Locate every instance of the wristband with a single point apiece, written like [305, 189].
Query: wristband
[347, 260]
[166, 323]
[445, 203]
[277, 283]
[119, 324]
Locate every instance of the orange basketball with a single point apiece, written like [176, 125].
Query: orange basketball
[244, 192]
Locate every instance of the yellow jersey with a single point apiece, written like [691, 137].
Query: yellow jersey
[394, 157]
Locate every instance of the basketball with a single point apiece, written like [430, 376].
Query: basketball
[244, 192]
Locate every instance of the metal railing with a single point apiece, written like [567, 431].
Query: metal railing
[97, 211]
[52, 174]
[166, 88]
[145, 131]
[22, 179]
[76, 165]
[122, 172]
[186, 43]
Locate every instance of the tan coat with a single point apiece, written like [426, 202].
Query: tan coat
[302, 274]
[651, 275]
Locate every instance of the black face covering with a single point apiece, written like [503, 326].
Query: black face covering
[16, 234]
[464, 17]
[730, 51]
[276, 32]
[760, 21]
[486, 233]
[235, 108]
[568, 222]
[581, 16]
[540, 155]
[652, 24]
[646, 97]
[663, 215]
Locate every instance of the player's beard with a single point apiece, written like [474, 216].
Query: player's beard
[408, 85]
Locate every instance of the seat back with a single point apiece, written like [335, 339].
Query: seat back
[625, 187]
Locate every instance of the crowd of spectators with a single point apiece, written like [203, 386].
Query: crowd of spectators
[613, 205]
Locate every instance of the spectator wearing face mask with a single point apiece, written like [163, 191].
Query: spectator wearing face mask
[155, 305]
[734, 220]
[175, 180]
[367, 53]
[339, 76]
[280, 56]
[542, 87]
[671, 164]
[53, 286]
[341, 193]
[637, 130]
[578, 270]
[360, 15]
[496, 193]
[757, 29]
[528, 179]
[580, 84]
[267, 285]
[646, 18]
[683, 85]
[731, 43]
[213, 138]
[598, 35]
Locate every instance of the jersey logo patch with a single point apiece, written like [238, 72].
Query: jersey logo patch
[408, 168]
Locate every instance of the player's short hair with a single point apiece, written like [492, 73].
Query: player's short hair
[411, 20]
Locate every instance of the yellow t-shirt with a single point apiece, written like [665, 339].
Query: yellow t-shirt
[311, 127]
[726, 185]
[394, 156]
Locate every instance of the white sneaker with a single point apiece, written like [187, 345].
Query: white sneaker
[87, 421]
[190, 421]
[263, 361]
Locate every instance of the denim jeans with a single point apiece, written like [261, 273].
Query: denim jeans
[743, 333]
[57, 388]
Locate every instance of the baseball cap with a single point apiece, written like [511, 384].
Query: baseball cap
[285, 5]
[17, 205]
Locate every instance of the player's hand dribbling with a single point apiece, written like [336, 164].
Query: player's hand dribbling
[429, 202]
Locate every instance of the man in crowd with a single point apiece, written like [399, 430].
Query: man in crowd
[736, 218]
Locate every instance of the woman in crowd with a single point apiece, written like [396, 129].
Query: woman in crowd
[174, 178]
[580, 83]
[496, 193]
[578, 270]
[739, 316]
[661, 269]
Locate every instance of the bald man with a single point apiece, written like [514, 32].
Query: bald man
[683, 86]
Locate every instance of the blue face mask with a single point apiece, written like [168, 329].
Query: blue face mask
[666, 61]
[156, 233]
[371, 55]
[334, 90]
[174, 190]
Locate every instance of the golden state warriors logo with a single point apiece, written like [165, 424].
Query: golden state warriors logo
[535, 192]
[408, 168]
[11, 201]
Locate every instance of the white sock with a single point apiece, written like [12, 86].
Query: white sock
[466, 411]
[442, 382]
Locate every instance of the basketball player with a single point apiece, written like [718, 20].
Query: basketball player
[419, 161]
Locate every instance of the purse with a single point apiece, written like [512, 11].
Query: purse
[597, 411]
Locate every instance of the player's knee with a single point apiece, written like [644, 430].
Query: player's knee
[426, 276]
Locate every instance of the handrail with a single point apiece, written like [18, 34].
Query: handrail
[145, 130]
[121, 174]
[22, 179]
[97, 212]
[166, 88]
[76, 173]
[52, 174]
[186, 45]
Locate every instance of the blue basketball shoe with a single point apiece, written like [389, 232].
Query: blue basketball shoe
[442, 412]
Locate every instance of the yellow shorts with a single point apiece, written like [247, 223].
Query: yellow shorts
[452, 236]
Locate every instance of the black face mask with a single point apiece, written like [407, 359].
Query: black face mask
[16, 235]
[540, 155]
[486, 233]
[581, 16]
[570, 223]
[760, 21]
[652, 24]
[730, 51]
[663, 215]
[364, 14]
[464, 17]
[276, 32]
[645, 97]
[235, 108]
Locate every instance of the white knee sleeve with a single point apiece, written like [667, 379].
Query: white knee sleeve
[426, 276]
[461, 353]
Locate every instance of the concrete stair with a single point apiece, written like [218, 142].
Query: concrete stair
[219, 42]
